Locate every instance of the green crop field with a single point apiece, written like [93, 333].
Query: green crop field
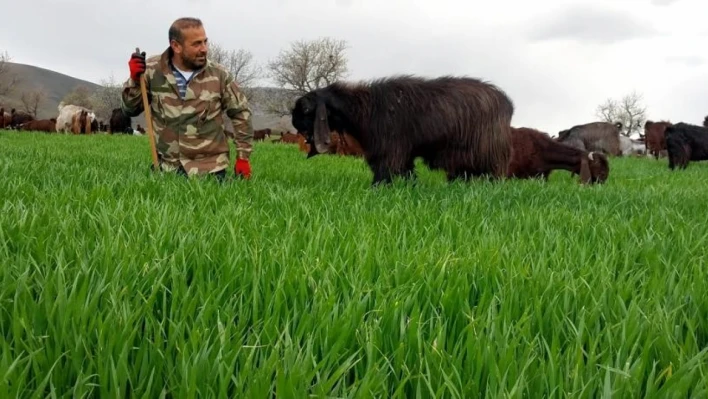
[306, 282]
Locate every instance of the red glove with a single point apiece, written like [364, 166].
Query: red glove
[242, 168]
[137, 65]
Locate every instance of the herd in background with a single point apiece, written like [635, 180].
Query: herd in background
[72, 118]
[680, 142]
[582, 149]
[449, 138]
[340, 143]
[462, 126]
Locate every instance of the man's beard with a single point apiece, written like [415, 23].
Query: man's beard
[193, 64]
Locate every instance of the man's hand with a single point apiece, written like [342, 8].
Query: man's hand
[242, 168]
[137, 65]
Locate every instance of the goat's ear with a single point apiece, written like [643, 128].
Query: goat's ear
[321, 128]
[585, 175]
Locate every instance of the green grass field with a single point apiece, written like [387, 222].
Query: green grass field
[304, 281]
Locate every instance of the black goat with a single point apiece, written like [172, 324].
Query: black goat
[684, 143]
[119, 122]
[459, 124]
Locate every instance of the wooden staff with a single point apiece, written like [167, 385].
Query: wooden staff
[148, 116]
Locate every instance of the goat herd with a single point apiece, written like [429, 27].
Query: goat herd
[460, 125]
[71, 119]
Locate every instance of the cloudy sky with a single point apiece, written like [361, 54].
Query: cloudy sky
[557, 59]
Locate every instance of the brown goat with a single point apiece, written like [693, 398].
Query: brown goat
[260, 135]
[347, 145]
[289, 138]
[655, 136]
[535, 154]
[302, 143]
[5, 119]
[78, 122]
[42, 125]
[340, 144]
[86, 122]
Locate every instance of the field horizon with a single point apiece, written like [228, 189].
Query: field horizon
[305, 281]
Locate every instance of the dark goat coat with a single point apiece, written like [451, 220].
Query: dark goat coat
[686, 142]
[458, 124]
[535, 154]
[18, 118]
[119, 122]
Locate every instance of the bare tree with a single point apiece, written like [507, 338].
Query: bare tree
[608, 111]
[106, 98]
[279, 102]
[32, 99]
[79, 96]
[8, 79]
[306, 66]
[241, 65]
[629, 110]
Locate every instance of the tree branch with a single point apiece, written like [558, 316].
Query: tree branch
[31, 101]
[8, 80]
[629, 110]
[307, 66]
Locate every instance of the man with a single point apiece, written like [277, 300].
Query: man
[189, 96]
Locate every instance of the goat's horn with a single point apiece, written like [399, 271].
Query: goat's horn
[590, 156]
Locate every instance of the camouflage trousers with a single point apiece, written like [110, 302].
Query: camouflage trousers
[220, 175]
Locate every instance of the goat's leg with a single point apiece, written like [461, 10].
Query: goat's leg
[386, 169]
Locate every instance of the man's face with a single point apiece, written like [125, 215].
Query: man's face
[193, 49]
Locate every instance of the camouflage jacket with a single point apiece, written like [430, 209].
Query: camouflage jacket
[190, 132]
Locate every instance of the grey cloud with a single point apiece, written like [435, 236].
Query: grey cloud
[688, 60]
[586, 23]
[689, 102]
[663, 2]
[550, 90]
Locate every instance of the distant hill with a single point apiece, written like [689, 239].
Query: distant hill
[58, 85]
